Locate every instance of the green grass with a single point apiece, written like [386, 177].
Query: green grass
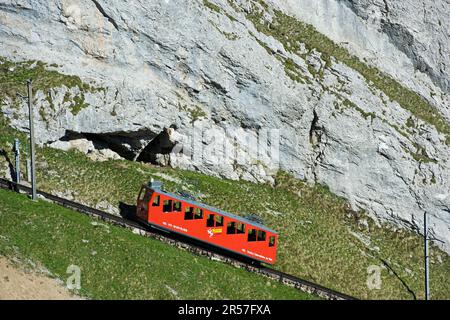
[292, 32]
[117, 264]
[316, 228]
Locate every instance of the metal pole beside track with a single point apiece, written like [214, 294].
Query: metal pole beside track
[427, 258]
[30, 111]
[17, 158]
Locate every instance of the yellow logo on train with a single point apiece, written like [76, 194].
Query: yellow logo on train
[213, 231]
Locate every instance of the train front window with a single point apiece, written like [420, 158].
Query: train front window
[167, 205]
[261, 235]
[210, 220]
[142, 193]
[189, 213]
[156, 201]
[231, 227]
[251, 235]
[147, 196]
[271, 241]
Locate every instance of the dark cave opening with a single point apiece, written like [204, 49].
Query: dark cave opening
[125, 144]
[160, 145]
[142, 145]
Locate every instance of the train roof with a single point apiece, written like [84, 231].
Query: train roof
[157, 186]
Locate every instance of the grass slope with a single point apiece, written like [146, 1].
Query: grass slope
[320, 239]
[117, 264]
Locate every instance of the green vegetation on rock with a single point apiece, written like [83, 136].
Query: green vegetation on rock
[195, 112]
[14, 75]
[212, 6]
[421, 155]
[215, 8]
[294, 72]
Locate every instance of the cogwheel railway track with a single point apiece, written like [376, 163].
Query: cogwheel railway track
[138, 228]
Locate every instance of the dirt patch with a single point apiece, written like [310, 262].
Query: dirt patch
[17, 283]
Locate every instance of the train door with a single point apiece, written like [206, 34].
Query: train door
[142, 203]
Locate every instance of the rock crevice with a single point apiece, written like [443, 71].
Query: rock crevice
[103, 12]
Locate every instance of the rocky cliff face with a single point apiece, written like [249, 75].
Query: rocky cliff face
[419, 29]
[359, 102]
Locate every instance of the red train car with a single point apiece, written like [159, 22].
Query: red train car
[185, 216]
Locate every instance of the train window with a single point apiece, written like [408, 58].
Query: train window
[142, 194]
[251, 235]
[261, 235]
[240, 229]
[219, 221]
[271, 241]
[231, 227]
[167, 205]
[198, 213]
[210, 220]
[156, 201]
[189, 213]
[177, 206]
[147, 196]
